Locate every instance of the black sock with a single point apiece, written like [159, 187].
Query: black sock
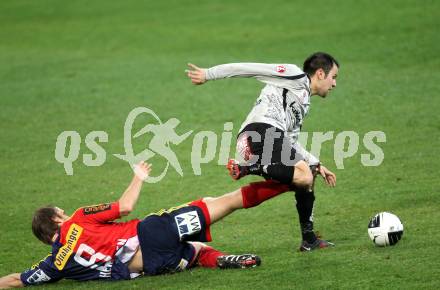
[255, 169]
[275, 171]
[304, 205]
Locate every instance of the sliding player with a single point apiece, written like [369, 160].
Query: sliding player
[89, 245]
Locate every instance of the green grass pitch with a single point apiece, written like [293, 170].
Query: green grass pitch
[84, 65]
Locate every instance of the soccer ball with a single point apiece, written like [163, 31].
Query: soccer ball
[385, 229]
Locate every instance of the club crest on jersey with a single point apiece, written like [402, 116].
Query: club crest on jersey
[97, 208]
[66, 251]
[281, 68]
[188, 223]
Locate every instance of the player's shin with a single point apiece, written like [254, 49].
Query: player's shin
[304, 204]
[208, 257]
[211, 258]
[257, 192]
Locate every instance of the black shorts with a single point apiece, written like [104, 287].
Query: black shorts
[251, 144]
[163, 237]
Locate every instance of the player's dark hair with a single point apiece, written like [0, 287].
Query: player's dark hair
[43, 226]
[319, 60]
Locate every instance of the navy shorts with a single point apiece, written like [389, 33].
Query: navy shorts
[163, 237]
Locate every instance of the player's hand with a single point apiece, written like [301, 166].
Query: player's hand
[196, 74]
[142, 170]
[329, 177]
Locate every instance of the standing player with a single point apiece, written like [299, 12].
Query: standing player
[89, 246]
[268, 138]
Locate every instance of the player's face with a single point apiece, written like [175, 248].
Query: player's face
[328, 82]
[61, 215]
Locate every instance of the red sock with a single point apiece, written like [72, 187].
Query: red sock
[208, 257]
[257, 192]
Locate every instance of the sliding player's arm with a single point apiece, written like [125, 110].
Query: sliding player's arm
[43, 272]
[262, 71]
[11, 281]
[129, 198]
[103, 213]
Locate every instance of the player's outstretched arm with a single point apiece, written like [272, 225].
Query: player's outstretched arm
[196, 74]
[280, 73]
[11, 281]
[130, 196]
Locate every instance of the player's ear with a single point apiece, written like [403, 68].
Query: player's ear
[320, 73]
[57, 219]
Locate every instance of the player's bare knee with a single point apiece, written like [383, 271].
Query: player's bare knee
[207, 199]
[305, 180]
[303, 177]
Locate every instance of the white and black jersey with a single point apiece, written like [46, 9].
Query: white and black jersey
[283, 102]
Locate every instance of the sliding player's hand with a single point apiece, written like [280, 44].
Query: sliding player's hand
[142, 170]
[196, 74]
[329, 177]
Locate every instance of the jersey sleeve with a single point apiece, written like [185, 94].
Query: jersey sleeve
[308, 157]
[100, 213]
[273, 73]
[42, 272]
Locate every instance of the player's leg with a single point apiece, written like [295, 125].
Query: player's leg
[305, 198]
[299, 176]
[209, 257]
[245, 197]
[224, 205]
[165, 247]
